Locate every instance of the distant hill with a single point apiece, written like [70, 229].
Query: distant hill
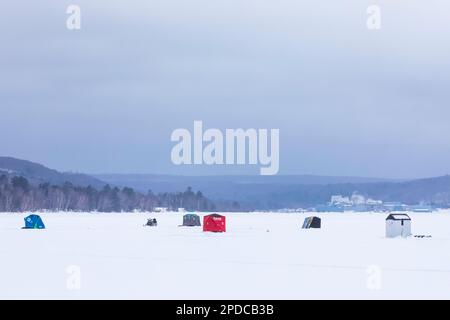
[274, 192]
[161, 183]
[225, 187]
[251, 192]
[261, 192]
[37, 173]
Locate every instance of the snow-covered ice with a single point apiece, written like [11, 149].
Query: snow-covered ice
[262, 256]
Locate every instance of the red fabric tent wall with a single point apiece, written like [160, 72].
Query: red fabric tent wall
[214, 223]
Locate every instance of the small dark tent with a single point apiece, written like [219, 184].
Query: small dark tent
[312, 222]
[191, 220]
[214, 223]
[33, 221]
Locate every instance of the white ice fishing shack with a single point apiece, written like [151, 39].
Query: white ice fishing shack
[398, 225]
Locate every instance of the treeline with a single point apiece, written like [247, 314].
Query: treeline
[17, 194]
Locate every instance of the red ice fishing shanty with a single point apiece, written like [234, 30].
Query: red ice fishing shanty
[214, 223]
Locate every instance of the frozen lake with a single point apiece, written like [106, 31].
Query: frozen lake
[262, 256]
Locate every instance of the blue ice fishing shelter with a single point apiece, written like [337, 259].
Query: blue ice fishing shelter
[34, 222]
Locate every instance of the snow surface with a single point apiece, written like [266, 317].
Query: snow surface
[262, 256]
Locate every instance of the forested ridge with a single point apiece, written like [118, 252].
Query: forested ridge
[17, 194]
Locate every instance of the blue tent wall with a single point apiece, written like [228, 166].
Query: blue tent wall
[34, 222]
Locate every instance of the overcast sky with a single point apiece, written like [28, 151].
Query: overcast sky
[347, 100]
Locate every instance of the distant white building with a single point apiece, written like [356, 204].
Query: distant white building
[398, 225]
[374, 202]
[357, 199]
[161, 209]
[181, 210]
[340, 200]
